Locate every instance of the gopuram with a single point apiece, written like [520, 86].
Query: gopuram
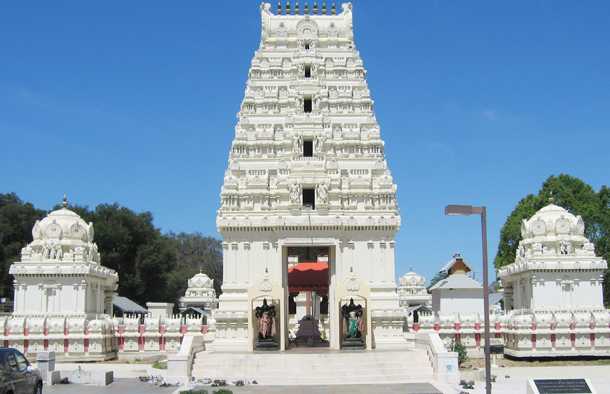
[308, 191]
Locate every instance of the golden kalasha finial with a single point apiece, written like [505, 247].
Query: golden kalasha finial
[64, 203]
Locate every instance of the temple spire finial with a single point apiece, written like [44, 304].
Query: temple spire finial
[64, 202]
[296, 7]
[279, 7]
[333, 10]
[551, 198]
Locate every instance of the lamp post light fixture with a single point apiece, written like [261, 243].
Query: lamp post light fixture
[466, 210]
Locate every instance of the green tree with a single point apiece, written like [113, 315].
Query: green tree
[572, 194]
[438, 277]
[195, 253]
[16, 221]
[151, 266]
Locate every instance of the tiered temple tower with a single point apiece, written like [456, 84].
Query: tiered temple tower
[307, 169]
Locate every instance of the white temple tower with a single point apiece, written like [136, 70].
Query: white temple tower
[307, 171]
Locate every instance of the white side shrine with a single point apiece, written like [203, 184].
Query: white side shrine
[199, 294]
[553, 290]
[307, 169]
[60, 270]
[63, 295]
[412, 291]
[556, 267]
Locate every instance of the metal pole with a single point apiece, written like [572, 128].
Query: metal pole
[486, 301]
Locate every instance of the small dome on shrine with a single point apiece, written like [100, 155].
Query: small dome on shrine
[62, 225]
[552, 220]
[200, 280]
[412, 279]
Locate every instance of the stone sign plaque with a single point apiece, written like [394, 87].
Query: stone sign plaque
[562, 386]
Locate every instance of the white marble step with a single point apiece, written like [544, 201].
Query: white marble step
[324, 367]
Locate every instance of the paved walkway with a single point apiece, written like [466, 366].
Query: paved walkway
[514, 380]
[132, 386]
[412, 388]
[135, 387]
[122, 386]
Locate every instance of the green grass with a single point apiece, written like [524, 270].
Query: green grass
[160, 365]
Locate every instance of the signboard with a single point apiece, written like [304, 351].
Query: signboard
[496, 349]
[560, 386]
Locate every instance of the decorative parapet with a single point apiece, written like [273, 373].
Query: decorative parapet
[307, 222]
[180, 365]
[551, 265]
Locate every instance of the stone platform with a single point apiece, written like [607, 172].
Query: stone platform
[316, 366]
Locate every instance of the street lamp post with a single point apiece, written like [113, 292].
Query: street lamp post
[466, 210]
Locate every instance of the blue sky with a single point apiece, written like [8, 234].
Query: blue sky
[135, 102]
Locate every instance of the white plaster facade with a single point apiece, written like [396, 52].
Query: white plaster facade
[458, 293]
[307, 91]
[62, 289]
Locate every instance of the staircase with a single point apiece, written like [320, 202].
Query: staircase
[316, 367]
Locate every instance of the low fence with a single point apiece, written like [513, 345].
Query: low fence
[100, 338]
[523, 333]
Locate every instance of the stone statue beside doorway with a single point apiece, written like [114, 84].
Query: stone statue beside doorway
[265, 316]
[354, 326]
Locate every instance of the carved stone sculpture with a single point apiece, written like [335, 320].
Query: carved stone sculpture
[354, 326]
[265, 316]
[295, 193]
[322, 193]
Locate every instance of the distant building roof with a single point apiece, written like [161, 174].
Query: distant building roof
[457, 281]
[421, 307]
[194, 309]
[126, 305]
[457, 263]
[495, 298]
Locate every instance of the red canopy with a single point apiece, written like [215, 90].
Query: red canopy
[308, 276]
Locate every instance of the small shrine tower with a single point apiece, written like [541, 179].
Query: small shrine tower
[60, 270]
[63, 295]
[556, 267]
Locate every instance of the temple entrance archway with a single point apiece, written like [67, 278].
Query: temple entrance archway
[308, 283]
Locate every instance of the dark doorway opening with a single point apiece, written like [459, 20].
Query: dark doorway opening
[309, 198]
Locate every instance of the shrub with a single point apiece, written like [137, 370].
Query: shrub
[461, 351]
[160, 365]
